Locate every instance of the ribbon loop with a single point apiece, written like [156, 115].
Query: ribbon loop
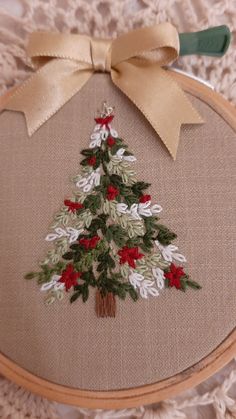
[44, 46]
[159, 44]
[134, 60]
[101, 54]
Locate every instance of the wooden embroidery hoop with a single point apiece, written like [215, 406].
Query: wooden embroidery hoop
[152, 392]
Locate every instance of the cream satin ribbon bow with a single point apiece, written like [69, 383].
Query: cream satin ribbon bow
[65, 62]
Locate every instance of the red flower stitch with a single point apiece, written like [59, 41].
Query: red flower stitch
[110, 141]
[112, 192]
[69, 277]
[104, 121]
[174, 276]
[94, 241]
[129, 254]
[73, 206]
[85, 243]
[89, 243]
[144, 198]
[92, 161]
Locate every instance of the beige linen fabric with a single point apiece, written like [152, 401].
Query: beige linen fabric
[148, 340]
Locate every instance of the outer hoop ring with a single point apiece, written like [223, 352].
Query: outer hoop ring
[152, 392]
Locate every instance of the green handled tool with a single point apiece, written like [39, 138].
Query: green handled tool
[213, 42]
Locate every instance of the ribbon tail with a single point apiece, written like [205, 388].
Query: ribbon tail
[46, 91]
[158, 97]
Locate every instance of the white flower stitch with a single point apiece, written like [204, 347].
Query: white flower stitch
[135, 278]
[97, 137]
[169, 252]
[133, 211]
[144, 286]
[53, 284]
[113, 132]
[102, 127]
[70, 232]
[73, 233]
[147, 210]
[96, 140]
[100, 134]
[121, 156]
[159, 277]
[122, 208]
[136, 210]
[87, 183]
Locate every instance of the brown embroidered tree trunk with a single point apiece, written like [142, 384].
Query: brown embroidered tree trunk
[105, 304]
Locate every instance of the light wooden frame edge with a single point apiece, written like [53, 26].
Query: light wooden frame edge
[127, 398]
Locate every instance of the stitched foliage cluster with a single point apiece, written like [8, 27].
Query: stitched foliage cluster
[108, 235]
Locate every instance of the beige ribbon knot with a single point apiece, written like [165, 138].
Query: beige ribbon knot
[65, 62]
[101, 54]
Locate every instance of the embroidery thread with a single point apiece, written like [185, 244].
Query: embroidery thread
[108, 236]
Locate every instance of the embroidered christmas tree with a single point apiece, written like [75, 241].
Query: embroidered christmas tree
[108, 235]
